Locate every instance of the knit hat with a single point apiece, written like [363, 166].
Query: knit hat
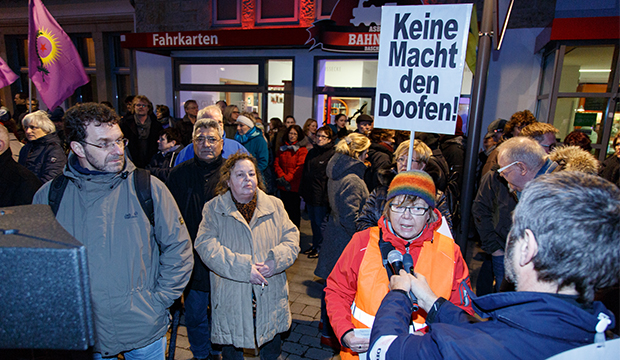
[245, 121]
[415, 183]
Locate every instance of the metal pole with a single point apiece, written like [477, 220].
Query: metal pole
[475, 123]
[410, 153]
[29, 95]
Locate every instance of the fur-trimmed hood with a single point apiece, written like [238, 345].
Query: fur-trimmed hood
[574, 158]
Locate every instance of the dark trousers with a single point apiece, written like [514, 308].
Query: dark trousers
[292, 205]
[317, 215]
[269, 351]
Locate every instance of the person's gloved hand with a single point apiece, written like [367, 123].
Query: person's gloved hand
[283, 183]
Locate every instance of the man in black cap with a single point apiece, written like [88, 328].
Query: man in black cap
[496, 128]
[364, 124]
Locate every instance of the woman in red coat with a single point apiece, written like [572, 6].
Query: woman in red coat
[289, 165]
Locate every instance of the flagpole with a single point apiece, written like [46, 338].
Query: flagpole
[29, 79]
[29, 95]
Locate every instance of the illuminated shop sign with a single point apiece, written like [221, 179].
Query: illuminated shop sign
[352, 26]
[295, 37]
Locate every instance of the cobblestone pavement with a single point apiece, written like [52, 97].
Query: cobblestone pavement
[303, 340]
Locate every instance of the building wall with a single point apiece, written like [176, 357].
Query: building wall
[513, 77]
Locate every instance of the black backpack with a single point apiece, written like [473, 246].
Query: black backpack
[142, 184]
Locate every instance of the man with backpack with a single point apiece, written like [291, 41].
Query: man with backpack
[139, 251]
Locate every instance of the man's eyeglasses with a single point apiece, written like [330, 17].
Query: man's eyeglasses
[413, 210]
[551, 147]
[322, 136]
[502, 169]
[141, 105]
[122, 143]
[200, 140]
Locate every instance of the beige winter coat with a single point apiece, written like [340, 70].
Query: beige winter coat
[229, 247]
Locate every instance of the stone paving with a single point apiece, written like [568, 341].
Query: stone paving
[304, 338]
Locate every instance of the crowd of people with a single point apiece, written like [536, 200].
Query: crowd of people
[217, 216]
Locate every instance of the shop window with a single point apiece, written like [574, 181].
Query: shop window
[348, 73]
[276, 11]
[227, 12]
[261, 85]
[280, 91]
[245, 101]
[583, 114]
[586, 69]
[577, 91]
[120, 69]
[219, 74]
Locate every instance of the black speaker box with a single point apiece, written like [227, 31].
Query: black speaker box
[45, 292]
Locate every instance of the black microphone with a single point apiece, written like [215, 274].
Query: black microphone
[397, 262]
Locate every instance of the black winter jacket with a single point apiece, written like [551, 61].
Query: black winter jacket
[192, 184]
[161, 164]
[379, 157]
[141, 151]
[17, 184]
[44, 157]
[492, 211]
[313, 188]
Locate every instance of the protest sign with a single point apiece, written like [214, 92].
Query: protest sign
[421, 58]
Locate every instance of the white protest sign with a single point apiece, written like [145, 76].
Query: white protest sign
[421, 58]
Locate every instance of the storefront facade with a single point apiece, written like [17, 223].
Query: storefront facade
[313, 59]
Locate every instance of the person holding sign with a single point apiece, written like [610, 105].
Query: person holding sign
[410, 226]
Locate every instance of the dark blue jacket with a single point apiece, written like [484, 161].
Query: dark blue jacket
[44, 157]
[521, 325]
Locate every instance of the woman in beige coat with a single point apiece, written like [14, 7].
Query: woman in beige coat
[247, 241]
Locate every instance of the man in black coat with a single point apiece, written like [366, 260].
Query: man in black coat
[17, 184]
[192, 183]
[142, 130]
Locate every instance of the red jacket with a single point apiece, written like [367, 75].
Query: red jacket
[342, 282]
[290, 165]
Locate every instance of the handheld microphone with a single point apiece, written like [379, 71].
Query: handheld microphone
[397, 262]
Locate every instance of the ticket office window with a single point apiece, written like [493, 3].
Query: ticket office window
[578, 91]
[261, 85]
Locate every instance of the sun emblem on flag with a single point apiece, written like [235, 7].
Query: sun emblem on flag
[48, 49]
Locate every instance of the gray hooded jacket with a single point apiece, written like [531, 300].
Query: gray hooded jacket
[347, 193]
[136, 270]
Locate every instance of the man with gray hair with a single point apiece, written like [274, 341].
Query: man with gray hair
[192, 184]
[522, 159]
[229, 146]
[562, 248]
